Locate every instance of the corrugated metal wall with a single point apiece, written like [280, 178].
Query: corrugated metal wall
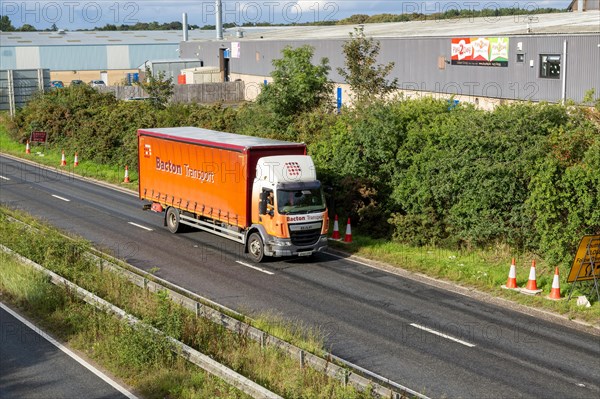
[417, 65]
[140, 53]
[9, 58]
[63, 58]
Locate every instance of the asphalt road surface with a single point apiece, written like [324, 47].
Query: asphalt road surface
[32, 367]
[439, 343]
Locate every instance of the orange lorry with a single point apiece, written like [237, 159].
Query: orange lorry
[259, 192]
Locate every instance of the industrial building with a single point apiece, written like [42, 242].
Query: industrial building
[88, 55]
[547, 57]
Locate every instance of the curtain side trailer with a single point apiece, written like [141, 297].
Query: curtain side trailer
[259, 192]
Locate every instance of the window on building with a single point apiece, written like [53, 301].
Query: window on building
[550, 66]
[520, 57]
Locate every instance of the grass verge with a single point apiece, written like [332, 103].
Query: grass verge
[133, 357]
[51, 157]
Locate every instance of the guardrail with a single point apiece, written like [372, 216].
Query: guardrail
[329, 364]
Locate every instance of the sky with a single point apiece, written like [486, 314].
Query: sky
[77, 14]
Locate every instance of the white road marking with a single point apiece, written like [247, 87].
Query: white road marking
[429, 330]
[61, 198]
[255, 268]
[67, 351]
[4, 178]
[140, 226]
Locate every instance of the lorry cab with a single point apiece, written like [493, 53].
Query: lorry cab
[289, 211]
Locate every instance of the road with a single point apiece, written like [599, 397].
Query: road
[437, 342]
[33, 367]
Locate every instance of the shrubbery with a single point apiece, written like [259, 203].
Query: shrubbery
[526, 175]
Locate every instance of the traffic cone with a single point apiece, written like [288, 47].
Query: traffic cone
[27, 148]
[76, 160]
[531, 287]
[63, 160]
[126, 179]
[511, 283]
[555, 291]
[336, 230]
[348, 237]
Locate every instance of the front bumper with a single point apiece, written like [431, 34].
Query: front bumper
[284, 247]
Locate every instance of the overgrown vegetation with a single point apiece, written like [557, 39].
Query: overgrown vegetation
[144, 360]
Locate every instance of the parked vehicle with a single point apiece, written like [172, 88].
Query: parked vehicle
[259, 192]
[77, 82]
[57, 84]
[97, 83]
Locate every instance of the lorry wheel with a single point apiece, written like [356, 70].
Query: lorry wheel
[172, 219]
[255, 248]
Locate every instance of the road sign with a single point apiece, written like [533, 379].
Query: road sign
[586, 265]
[38, 137]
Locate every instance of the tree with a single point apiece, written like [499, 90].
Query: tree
[27, 28]
[159, 88]
[298, 86]
[5, 24]
[367, 79]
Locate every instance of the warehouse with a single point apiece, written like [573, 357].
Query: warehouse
[547, 57]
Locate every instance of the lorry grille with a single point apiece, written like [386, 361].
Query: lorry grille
[305, 237]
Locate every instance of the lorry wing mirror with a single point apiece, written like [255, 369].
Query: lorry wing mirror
[262, 204]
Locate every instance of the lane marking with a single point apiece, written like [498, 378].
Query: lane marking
[61, 198]
[255, 268]
[68, 352]
[429, 330]
[4, 178]
[140, 226]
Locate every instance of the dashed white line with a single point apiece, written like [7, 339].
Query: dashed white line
[255, 268]
[4, 178]
[61, 198]
[429, 330]
[140, 226]
[67, 351]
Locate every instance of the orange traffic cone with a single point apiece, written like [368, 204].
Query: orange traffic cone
[348, 237]
[76, 160]
[336, 230]
[63, 160]
[511, 283]
[555, 291]
[531, 287]
[27, 148]
[126, 179]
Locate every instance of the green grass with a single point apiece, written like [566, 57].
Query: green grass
[485, 270]
[51, 157]
[133, 354]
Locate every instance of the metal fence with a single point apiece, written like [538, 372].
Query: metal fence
[227, 92]
[18, 86]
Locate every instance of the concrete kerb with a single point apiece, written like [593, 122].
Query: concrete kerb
[469, 292]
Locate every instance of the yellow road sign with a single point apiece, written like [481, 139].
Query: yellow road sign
[586, 265]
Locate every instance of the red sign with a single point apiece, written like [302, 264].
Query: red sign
[38, 137]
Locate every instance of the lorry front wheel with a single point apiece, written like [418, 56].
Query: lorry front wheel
[255, 247]
[172, 219]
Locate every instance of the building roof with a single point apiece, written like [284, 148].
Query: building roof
[81, 38]
[556, 23]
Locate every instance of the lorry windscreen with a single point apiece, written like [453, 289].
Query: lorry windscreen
[300, 201]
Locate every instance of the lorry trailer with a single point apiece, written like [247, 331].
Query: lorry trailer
[262, 193]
